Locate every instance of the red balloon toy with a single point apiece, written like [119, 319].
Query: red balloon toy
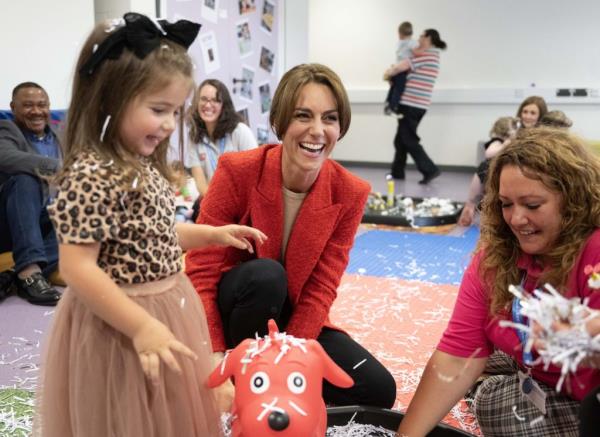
[278, 385]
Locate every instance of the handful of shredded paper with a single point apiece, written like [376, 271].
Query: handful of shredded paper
[565, 348]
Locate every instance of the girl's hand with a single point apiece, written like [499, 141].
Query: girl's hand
[226, 391]
[237, 236]
[467, 214]
[155, 342]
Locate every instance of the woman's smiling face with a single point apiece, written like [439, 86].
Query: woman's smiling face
[531, 210]
[310, 136]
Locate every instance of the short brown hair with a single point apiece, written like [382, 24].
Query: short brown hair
[405, 28]
[288, 90]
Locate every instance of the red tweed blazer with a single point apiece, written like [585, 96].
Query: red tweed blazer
[246, 189]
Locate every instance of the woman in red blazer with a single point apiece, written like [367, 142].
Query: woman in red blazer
[310, 207]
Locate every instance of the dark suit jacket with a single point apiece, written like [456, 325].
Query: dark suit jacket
[246, 189]
[17, 155]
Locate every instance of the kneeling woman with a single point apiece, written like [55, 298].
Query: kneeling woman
[540, 220]
[310, 208]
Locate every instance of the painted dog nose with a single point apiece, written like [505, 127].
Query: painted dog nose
[278, 421]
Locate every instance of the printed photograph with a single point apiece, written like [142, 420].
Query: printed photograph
[267, 59]
[244, 38]
[246, 83]
[243, 113]
[268, 16]
[262, 134]
[247, 6]
[264, 91]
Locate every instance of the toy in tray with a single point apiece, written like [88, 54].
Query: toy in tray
[398, 210]
[278, 385]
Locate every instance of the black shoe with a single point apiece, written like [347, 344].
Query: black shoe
[397, 176]
[430, 177]
[7, 279]
[37, 290]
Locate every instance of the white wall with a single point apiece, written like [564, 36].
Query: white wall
[105, 9]
[497, 50]
[40, 42]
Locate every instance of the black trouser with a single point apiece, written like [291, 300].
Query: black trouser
[589, 414]
[407, 141]
[254, 292]
[398, 83]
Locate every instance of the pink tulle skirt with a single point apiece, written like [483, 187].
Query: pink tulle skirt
[93, 385]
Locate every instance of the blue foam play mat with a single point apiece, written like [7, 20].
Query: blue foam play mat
[440, 259]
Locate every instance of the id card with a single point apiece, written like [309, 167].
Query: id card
[532, 391]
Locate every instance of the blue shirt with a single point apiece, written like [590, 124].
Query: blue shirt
[47, 145]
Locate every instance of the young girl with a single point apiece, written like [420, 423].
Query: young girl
[128, 307]
[503, 131]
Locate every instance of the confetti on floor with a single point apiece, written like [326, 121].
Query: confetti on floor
[440, 259]
[400, 322]
[16, 410]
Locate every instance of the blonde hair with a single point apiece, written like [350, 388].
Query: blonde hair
[556, 118]
[505, 127]
[289, 88]
[107, 92]
[563, 164]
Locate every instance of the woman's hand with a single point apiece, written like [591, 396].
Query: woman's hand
[154, 342]
[237, 236]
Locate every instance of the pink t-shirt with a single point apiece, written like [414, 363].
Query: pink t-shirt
[472, 327]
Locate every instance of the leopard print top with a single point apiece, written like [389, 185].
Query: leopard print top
[136, 229]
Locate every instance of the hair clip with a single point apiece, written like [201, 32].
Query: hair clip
[104, 126]
[113, 23]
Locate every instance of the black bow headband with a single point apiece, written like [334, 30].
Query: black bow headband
[140, 35]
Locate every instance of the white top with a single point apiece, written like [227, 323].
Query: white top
[404, 48]
[206, 154]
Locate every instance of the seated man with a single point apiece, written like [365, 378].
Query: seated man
[29, 150]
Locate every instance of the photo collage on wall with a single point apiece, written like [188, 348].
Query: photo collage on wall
[238, 45]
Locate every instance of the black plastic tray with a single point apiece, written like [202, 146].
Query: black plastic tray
[388, 419]
[376, 217]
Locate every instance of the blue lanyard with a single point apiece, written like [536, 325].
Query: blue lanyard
[523, 336]
[211, 155]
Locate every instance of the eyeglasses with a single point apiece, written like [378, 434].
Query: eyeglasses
[212, 101]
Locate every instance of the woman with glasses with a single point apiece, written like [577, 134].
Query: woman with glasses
[214, 128]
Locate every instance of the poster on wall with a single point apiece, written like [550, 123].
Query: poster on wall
[209, 10]
[238, 45]
[262, 134]
[264, 91]
[210, 52]
[268, 16]
[244, 38]
[247, 82]
[267, 59]
[246, 6]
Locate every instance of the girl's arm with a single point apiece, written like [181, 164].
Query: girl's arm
[475, 193]
[152, 340]
[444, 382]
[495, 148]
[193, 236]
[200, 180]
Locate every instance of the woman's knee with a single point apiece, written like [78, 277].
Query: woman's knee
[255, 280]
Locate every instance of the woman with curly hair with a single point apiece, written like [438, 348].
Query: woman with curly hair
[214, 128]
[540, 220]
